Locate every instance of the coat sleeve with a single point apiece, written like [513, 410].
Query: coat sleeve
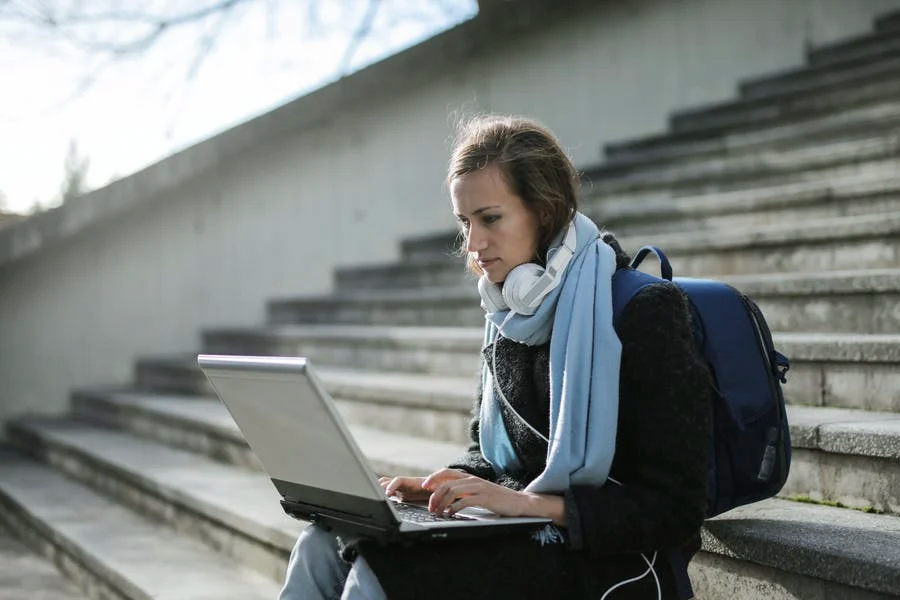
[662, 438]
[473, 461]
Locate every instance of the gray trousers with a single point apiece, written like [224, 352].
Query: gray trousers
[317, 572]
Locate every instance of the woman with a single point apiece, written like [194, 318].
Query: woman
[622, 413]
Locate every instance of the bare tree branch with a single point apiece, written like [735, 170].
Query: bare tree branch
[361, 33]
[66, 25]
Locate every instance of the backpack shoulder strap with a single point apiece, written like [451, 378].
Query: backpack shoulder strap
[628, 281]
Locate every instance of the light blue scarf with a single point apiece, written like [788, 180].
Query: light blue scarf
[584, 370]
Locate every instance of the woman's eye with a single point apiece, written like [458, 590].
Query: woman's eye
[490, 219]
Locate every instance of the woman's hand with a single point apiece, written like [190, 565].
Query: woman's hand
[452, 495]
[411, 489]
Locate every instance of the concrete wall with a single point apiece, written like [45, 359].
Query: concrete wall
[275, 221]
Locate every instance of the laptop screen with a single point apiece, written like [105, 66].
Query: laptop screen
[290, 423]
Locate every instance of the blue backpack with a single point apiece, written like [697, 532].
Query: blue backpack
[750, 446]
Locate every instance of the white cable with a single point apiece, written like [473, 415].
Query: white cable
[650, 563]
[650, 569]
[503, 396]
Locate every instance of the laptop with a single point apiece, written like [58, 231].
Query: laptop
[293, 426]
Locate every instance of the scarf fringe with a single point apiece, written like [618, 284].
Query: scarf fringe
[549, 534]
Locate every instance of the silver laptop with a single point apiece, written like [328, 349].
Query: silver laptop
[296, 431]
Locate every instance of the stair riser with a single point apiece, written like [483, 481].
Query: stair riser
[223, 447]
[44, 541]
[846, 74]
[445, 246]
[854, 481]
[714, 576]
[127, 489]
[861, 122]
[397, 277]
[890, 22]
[653, 224]
[867, 253]
[465, 312]
[150, 376]
[762, 161]
[743, 116]
[865, 386]
[229, 448]
[437, 425]
[829, 312]
[877, 251]
[863, 49]
[354, 353]
[657, 212]
[744, 172]
[857, 313]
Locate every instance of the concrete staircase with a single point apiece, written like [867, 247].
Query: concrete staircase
[790, 192]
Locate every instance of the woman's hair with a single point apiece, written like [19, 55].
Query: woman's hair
[531, 162]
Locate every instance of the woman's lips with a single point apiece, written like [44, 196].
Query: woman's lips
[486, 263]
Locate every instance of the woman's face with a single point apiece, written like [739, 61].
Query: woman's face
[501, 233]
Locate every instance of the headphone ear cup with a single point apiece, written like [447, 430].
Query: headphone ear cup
[491, 297]
[518, 283]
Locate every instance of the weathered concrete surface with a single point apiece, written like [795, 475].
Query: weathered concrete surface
[25, 576]
[833, 544]
[111, 550]
[717, 577]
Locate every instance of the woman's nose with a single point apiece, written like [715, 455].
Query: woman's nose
[475, 239]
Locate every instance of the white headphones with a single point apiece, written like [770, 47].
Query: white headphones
[527, 284]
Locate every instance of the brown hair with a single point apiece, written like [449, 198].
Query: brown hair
[533, 165]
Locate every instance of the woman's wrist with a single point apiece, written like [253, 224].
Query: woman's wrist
[545, 505]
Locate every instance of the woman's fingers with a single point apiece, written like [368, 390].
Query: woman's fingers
[403, 486]
[438, 477]
[450, 491]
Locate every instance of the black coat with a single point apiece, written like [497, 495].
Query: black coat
[660, 457]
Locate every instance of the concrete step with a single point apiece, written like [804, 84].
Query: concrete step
[841, 69]
[863, 301]
[235, 511]
[450, 306]
[830, 244]
[435, 350]
[853, 122]
[25, 576]
[780, 539]
[828, 369]
[435, 406]
[848, 456]
[193, 495]
[783, 550]
[202, 424]
[435, 271]
[888, 22]
[877, 45]
[657, 212]
[847, 302]
[843, 370]
[766, 165]
[654, 212]
[860, 87]
[113, 551]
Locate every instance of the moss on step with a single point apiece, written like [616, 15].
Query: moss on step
[808, 500]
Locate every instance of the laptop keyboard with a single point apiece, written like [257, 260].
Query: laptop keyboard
[419, 514]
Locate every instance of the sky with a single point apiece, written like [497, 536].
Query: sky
[124, 114]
